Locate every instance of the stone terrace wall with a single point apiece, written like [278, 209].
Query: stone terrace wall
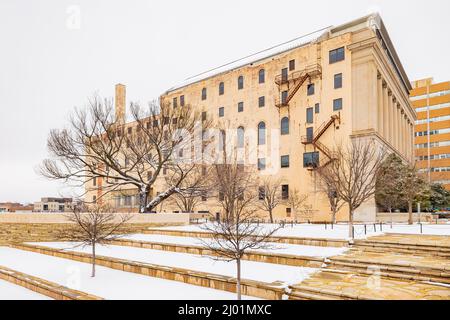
[16, 228]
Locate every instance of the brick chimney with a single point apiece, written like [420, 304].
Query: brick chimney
[120, 103]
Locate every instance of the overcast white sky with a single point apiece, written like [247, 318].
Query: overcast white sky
[49, 63]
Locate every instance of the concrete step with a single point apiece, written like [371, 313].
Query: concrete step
[384, 249]
[417, 273]
[304, 292]
[265, 257]
[320, 242]
[271, 291]
[42, 286]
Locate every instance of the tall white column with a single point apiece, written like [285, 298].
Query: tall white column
[380, 102]
[391, 118]
[385, 111]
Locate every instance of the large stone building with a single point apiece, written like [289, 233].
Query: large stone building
[302, 99]
[432, 136]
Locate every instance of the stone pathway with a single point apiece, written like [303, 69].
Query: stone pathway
[347, 285]
[414, 239]
[398, 259]
[386, 273]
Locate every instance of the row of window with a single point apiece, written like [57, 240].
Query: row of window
[434, 157]
[435, 119]
[433, 107]
[431, 95]
[442, 181]
[310, 90]
[310, 159]
[433, 144]
[431, 132]
[335, 55]
[337, 105]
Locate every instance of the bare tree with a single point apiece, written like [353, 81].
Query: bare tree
[193, 189]
[270, 196]
[95, 225]
[353, 174]
[235, 233]
[95, 147]
[328, 187]
[297, 202]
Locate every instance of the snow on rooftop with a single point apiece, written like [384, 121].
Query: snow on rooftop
[255, 57]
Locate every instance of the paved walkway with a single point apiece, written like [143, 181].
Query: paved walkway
[414, 239]
[398, 259]
[372, 287]
[338, 281]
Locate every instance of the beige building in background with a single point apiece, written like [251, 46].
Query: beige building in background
[303, 98]
[432, 137]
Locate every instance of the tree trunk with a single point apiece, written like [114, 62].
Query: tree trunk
[333, 217]
[271, 216]
[410, 213]
[93, 260]
[238, 283]
[143, 197]
[392, 218]
[350, 224]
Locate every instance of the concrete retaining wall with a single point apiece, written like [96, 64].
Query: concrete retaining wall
[320, 242]
[249, 287]
[269, 257]
[16, 228]
[47, 288]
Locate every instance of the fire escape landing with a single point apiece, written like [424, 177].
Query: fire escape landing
[289, 85]
[314, 140]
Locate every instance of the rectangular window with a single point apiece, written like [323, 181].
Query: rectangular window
[130, 130]
[337, 104]
[309, 134]
[284, 96]
[291, 65]
[338, 81]
[221, 112]
[240, 106]
[182, 101]
[155, 123]
[284, 74]
[261, 102]
[261, 164]
[317, 108]
[310, 89]
[310, 159]
[94, 181]
[309, 115]
[204, 94]
[175, 102]
[261, 193]
[284, 191]
[337, 55]
[285, 161]
[204, 116]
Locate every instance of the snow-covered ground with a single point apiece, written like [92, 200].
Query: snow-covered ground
[281, 248]
[339, 231]
[108, 283]
[265, 272]
[10, 291]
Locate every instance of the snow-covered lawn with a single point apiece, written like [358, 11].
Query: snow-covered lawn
[265, 272]
[281, 248]
[10, 291]
[108, 283]
[339, 231]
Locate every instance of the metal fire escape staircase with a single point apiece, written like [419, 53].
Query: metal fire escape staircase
[293, 82]
[314, 140]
